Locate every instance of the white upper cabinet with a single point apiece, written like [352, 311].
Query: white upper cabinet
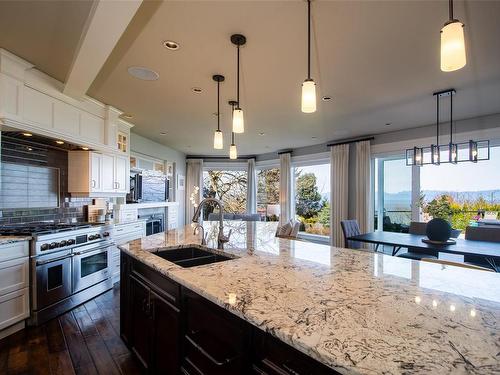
[32, 101]
[122, 171]
[108, 173]
[92, 174]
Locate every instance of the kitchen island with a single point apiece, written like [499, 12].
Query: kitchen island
[355, 311]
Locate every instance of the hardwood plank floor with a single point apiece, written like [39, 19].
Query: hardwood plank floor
[85, 340]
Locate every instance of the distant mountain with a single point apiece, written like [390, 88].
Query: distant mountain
[404, 197]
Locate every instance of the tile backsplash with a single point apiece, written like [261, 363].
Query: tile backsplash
[18, 152]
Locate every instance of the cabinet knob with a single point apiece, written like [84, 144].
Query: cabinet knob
[93, 183]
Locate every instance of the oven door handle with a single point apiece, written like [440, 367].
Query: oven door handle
[42, 262]
[92, 250]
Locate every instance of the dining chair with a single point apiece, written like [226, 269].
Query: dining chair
[456, 264]
[350, 228]
[481, 233]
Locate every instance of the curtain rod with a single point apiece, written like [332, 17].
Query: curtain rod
[347, 141]
[219, 157]
[284, 152]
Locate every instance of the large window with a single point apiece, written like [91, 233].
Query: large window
[229, 186]
[268, 193]
[462, 190]
[312, 198]
[393, 192]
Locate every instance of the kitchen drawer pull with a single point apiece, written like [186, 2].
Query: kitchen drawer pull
[93, 183]
[207, 355]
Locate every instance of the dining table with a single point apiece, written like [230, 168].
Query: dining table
[487, 251]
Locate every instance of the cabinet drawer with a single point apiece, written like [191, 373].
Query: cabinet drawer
[14, 250]
[274, 357]
[14, 307]
[215, 341]
[168, 289]
[14, 275]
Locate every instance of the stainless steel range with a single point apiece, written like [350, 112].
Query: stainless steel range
[70, 264]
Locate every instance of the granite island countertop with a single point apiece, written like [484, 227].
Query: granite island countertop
[356, 311]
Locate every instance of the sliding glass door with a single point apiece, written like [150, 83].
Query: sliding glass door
[393, 194]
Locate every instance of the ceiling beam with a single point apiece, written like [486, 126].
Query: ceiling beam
[106, 24]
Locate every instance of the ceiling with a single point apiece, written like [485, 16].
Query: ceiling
[378, 60]
[45, 33]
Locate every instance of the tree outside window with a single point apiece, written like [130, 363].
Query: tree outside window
[230, 187]
[268, 193]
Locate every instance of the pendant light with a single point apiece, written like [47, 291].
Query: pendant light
[218, 139]
[233, 151]
[477, 150]
[238, 122]
[308, 86]
[452, 43]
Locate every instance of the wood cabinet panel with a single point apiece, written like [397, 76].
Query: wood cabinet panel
[14, 307]
[14, 275]
[140, 304]
[66, 118]
[91, 127]
[37, 108]
[121, 174]
[108, 173]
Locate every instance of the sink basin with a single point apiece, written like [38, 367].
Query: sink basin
[191, 256]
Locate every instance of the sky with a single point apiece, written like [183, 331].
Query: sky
[484, 175]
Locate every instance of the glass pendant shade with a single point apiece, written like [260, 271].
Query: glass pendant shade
[233, 152]
[218, 140]
[238, 122]
[453, 153]
[435, 155]
[308, 96]
[418, 156]
[452, 47]
[473, 151]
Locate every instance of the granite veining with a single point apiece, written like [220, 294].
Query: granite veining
[4, 240]
[358, 312]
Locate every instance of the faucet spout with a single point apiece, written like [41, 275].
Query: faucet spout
[221, 239]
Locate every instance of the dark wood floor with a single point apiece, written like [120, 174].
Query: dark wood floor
[85, 340]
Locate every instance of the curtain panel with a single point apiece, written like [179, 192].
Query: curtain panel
[364, 214]
[251, 187]
[194, 178]
[339, 195]
[285, 188]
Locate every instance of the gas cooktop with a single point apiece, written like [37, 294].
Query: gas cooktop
[39, 228]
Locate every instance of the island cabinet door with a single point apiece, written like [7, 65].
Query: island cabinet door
[274, 357]
[125, 302]
[141, 322]
[215, 341]
[165, 336]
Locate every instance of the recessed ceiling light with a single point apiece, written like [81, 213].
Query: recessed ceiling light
[314, 137]
[145, 74]
[60, 142]
[163, 133]
[28, 134]
[30, 149]
[326, 98]
[171, 45]
[197, 90]
[85, 148]
[262, 134]
[388, 123]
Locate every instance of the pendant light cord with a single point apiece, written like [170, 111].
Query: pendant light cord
[238, 76]
[309, 39]
[437, 120]
[450, 5]
[218, 106]
[451, 117]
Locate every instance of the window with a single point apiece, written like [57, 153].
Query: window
[463, 190]
[268, 193]
[312, 198]
[229, 186]
[393, 192]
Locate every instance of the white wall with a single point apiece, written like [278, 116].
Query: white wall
[155, 150]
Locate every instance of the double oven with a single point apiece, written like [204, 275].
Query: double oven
[68, 269]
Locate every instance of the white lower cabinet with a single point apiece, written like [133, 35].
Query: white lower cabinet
[121, 234]
[14, 286]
